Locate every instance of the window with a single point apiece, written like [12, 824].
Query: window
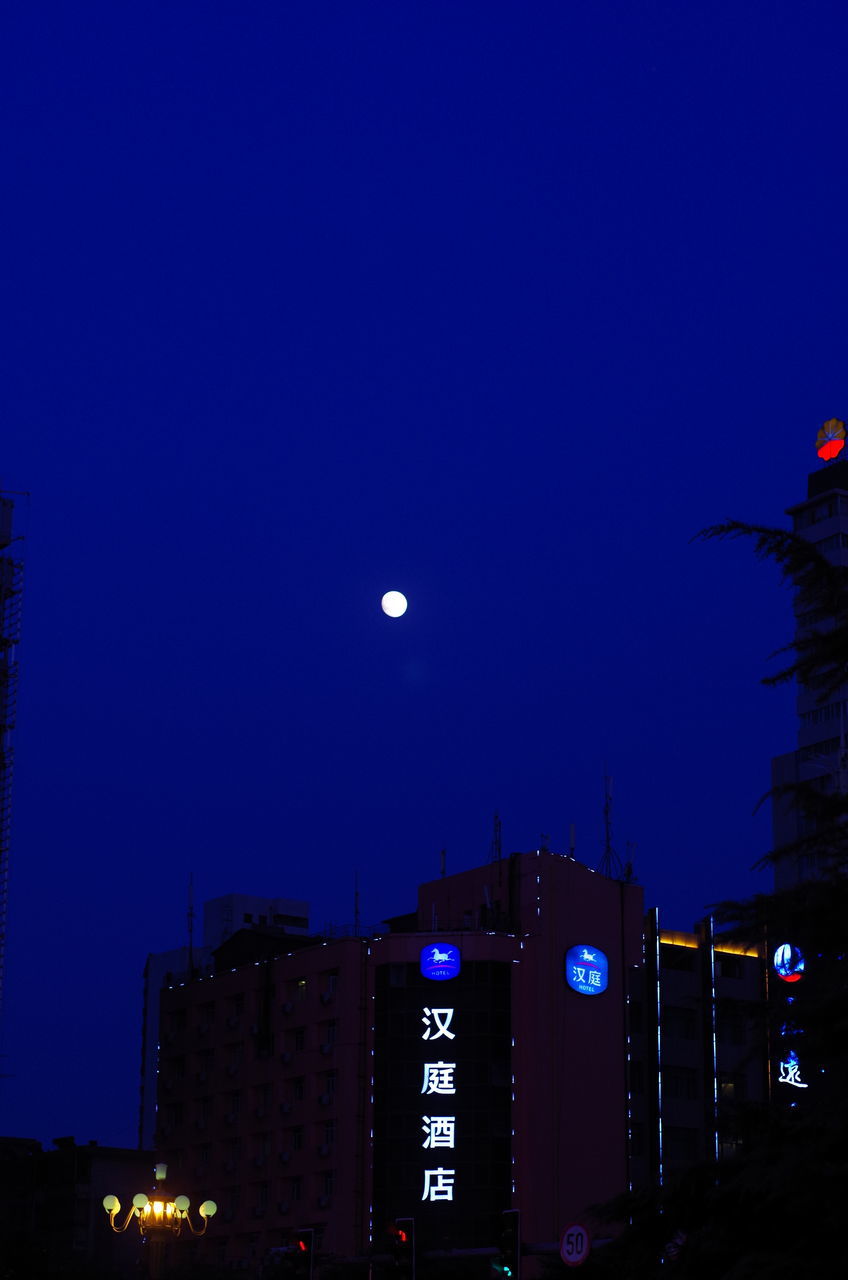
[679, 1023]
[329, 1133]
[296, 1088]
[296, 1189]
[677, 957]
[729, 966]
[730, 1025]
[680, 1082]
[680, 1145]
[297, 1138]
[637, 1077]
[732, 1086]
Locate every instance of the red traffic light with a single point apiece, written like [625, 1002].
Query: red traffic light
[303, 1246]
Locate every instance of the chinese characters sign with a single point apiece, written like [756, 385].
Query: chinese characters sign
[586, 970]
[439, 1080]
[442, 1093]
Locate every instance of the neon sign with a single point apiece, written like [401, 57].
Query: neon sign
[790, 1071]
[586, 970]
[789, 962]
[830, 440]
[439, 1131]
[440, 961]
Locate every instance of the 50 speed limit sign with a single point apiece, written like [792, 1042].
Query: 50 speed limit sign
[575, 1245]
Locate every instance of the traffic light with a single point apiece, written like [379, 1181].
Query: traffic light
[402, 1232]
[303, 1242]
[508, 1262]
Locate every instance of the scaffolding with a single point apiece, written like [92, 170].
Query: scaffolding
[11, 585]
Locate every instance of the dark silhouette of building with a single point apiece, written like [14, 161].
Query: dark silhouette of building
[52, 1222]
[11, 585]
[820, 756]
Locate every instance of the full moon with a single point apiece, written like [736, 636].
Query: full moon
[394, 604]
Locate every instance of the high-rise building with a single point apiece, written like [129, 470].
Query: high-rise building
[11, 583]
[820, 755]
[222, 917]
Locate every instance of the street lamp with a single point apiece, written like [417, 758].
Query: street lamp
[160, 1218]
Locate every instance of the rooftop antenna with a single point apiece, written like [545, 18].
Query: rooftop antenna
[190, 922]
[610, 863]
[495, 851]
[443, 862]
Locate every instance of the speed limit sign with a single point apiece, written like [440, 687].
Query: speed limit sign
[575, 1245]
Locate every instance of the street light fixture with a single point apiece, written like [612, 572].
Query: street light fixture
[159, 1218]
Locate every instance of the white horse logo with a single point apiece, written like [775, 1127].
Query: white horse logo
[440, 957]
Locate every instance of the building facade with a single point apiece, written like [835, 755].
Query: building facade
[222, 917]
[526, 1039]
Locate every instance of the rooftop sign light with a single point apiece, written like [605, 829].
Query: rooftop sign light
[440, 961]
[789, 962]
[586, 970]
[830, 440]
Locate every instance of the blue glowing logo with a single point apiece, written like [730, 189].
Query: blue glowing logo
[789, 962]
[439, 961]
[586, 970]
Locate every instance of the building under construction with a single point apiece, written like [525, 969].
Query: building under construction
[11, 582]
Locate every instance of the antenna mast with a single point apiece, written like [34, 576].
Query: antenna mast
[495, 852]
[610, 863]
[190, 922]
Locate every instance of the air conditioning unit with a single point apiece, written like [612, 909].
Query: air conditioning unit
[259, 1212]
[323, 1202]
[288, 1007]
[232, 1069]
[200, 1123]
[325, 1099]
[233, 1021]
[324, 1149]
[284, 1157]
[203, 1029]
[285, 1108]
[258, 1161]
[285, 1057]
[326, 997]
[283, 1206]
[230, 1117]
[202, 1077]
[326, 1047]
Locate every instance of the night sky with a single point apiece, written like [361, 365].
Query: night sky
[494, 304]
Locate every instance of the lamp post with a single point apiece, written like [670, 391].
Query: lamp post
[160, 1218]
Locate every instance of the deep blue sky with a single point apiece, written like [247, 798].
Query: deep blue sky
[495, 304]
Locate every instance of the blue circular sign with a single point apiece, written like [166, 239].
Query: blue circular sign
[586, 970]
[789, 962]
[440, 961]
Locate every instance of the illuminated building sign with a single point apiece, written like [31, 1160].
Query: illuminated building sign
[442, 1094]
[440, 961]
[789, 962]
[790, 1071]
[830, 440]
[586, 970]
